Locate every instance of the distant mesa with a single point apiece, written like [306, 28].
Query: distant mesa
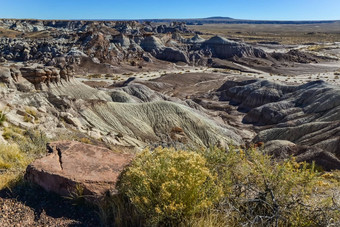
[219, 18]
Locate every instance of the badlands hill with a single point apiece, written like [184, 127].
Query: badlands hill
[108, 89]
[40, 59]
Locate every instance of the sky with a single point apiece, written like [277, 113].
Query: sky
[159, 9]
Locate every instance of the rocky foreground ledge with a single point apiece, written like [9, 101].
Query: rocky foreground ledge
[71, 164]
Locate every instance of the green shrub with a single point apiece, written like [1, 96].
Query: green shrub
[214, 187]
[260, 191]
[165, 185]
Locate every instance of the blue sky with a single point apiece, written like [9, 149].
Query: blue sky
[150, 9]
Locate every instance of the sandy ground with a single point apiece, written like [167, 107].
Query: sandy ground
[147, 75]
[329, 72]
[298, 74]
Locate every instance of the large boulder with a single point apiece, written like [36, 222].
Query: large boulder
[71, 164]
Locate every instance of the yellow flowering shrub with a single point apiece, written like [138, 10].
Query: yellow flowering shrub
[214, 187]
[166, 185]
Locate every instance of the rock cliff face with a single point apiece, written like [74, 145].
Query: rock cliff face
[45, 75]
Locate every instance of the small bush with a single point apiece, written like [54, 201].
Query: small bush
[166, 185]
[28, 118]
[31, 115]
[12, 133]
[96, 76]
[31, 112]
[2, 118]
[85, 140]
[215, 187]
[34, 143]
[260, 191]
[77, 195]
[29, 141]
[316, 48]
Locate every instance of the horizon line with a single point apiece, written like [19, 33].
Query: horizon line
[176, 19]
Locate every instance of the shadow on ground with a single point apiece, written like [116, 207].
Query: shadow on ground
[47, 205]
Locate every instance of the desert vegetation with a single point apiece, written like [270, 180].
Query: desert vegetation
[2, 118]
[23, 147]
[200, 187]
[215, 187]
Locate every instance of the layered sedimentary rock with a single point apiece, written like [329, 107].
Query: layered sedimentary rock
[88, 43]
[307, 115]
[226, 49]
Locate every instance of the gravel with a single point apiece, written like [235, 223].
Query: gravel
[31, 206]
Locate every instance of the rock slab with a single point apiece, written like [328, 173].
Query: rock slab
[71, 164]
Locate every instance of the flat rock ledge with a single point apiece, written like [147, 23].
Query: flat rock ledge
[70, 165]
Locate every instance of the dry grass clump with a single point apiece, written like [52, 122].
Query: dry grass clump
[24, 146]
[2, 118]
[12, 133]
[11, 157]
[31, 112]
[31, 115]
[12, 162]
[95, 76]
[316, 48]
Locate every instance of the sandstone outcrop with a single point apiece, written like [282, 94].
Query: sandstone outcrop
[45, 75]
[70, 165]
